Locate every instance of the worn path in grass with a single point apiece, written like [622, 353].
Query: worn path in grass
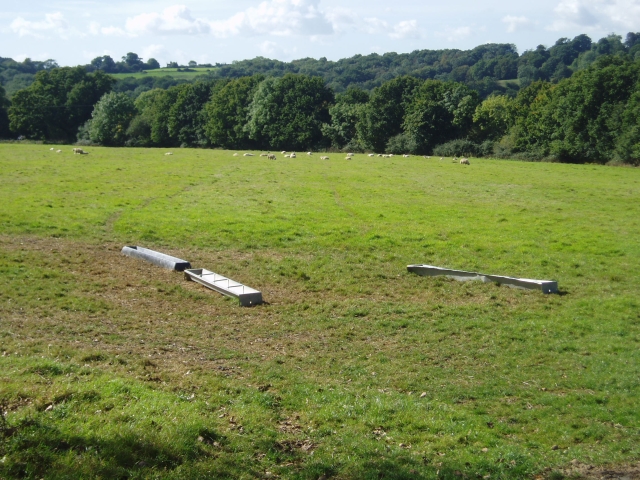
[355, 368]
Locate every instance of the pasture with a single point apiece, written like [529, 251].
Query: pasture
[355, 368]
[163, 72]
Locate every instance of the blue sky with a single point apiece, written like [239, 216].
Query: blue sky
[208, 31]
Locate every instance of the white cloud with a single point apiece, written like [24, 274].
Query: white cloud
[455, 34]
[53, 23]
[176, 19]
[113, 31]
[596, 15]
[405, 29]
[374, 25]
[94, 28]
[516, 23]
[154, 51]
[277, 17]
[268, 47]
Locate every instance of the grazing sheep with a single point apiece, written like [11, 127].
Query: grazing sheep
[79, 151]
[441, 158]
[287, 156]
[380, 155]
[349, 154]
[293, 155]
[324, 158]
[348, 158]
[283, 152]
[248, 155]
[464, 161]
[168, 153]
[406, 156]
[58, 151]
[372, 154]
[386, 156]
[271, 156]
[52, 149]
[309, 153]
[235, 154]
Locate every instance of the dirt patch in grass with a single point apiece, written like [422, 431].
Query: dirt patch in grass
[584, 471]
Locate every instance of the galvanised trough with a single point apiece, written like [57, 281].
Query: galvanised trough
[246, 295]
[157, 258]
[546, 286]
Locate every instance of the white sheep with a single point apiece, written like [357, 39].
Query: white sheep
[168, 153]
[235, 154]
[283, 152]
[79, 151]
[248, 155]
[58, 151]
[349, 154]
[324, 158]
[464, 161]
[52, 149]
[293, 155]
[271, 156]
[309, 153]
[372, 154]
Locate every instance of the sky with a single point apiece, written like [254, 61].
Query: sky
[74, 32]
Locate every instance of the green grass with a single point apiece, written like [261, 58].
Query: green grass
[506, 83]
[355, 368]
[163, 72]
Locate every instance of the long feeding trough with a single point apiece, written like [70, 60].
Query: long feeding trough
[246, 295]
[157, 258]
[546, 286]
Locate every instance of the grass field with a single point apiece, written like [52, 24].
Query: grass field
[111, 367]
[163, 72]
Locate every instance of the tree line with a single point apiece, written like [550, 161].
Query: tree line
[592, 116]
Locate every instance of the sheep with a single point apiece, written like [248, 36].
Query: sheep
[264, 154]
[380, 155]
[235, 154]
[248, 155]
[293, 155]
[464, 161]
[58, 151]
[271, 156]
[79, 151]
[324, 158]
[283, 152]
[168, 153]
[348, 158]
[287, 156]
[349, 154]
[386, 156]
[52, 149]
[406, 156]
[372, 155]
[309, 153]
[441, 158]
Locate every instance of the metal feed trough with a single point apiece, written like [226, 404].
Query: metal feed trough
[246, 295]
[157, 258]
[546, 286]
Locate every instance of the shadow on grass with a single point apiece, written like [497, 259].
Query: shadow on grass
[33, 449]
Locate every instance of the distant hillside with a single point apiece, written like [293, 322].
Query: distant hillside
[18, 75]
[486, 68]
[490, 68]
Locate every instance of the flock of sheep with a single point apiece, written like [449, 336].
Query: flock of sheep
[76, 151]
[271, 156]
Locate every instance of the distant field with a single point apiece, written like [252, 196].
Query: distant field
[162, 72]
[355, 368]
[505, 83]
